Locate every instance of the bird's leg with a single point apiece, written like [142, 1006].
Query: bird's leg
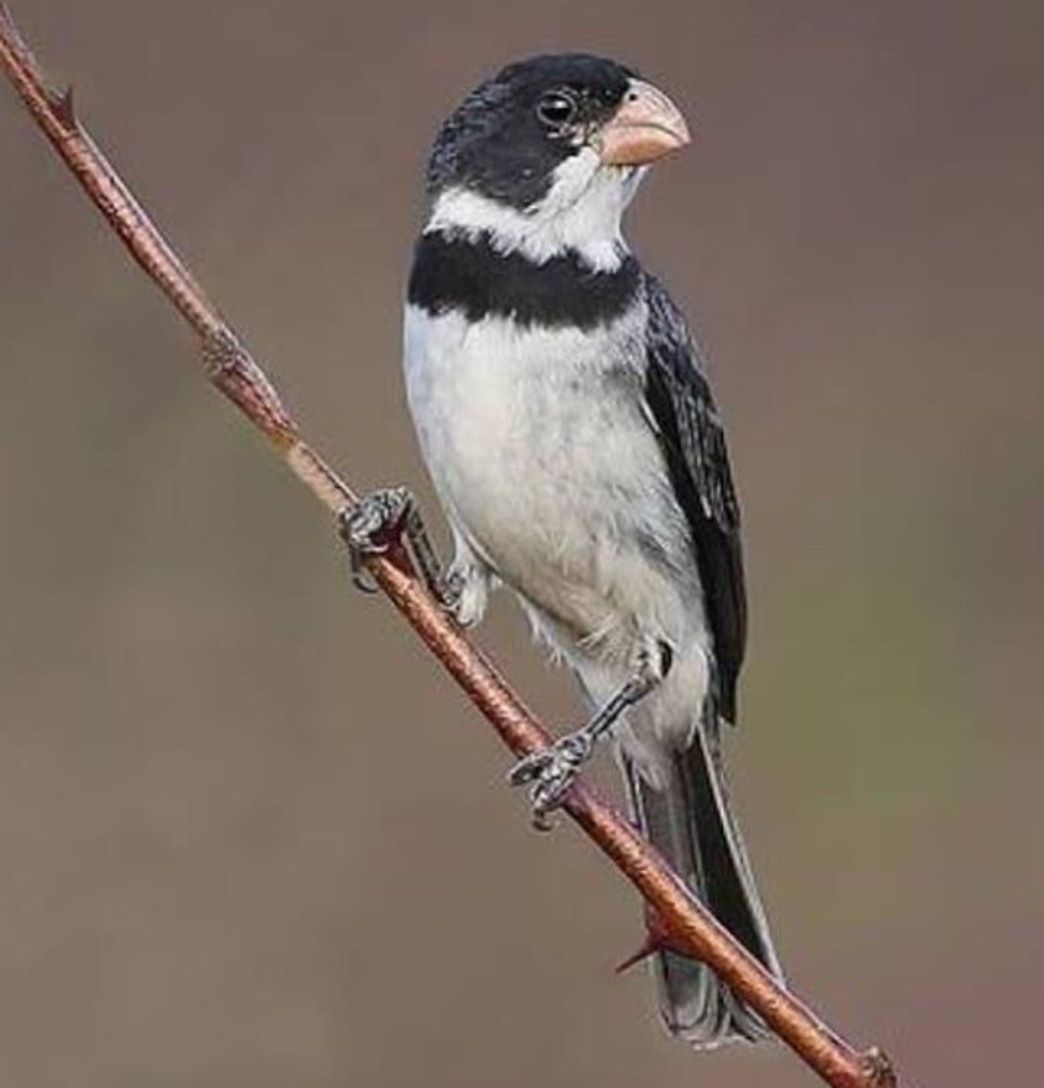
[381, 519]
[554, 769]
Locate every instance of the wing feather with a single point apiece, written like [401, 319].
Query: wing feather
[693, 441]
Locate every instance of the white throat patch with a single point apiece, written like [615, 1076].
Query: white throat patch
[582, 211]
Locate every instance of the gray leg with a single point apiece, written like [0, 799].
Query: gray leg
[554, 770]
[382, 518]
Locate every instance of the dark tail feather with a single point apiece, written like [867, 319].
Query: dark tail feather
[689, 822]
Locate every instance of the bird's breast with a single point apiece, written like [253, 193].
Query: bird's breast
[540, 451]
[526, 420]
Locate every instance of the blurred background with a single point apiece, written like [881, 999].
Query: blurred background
[251, 836]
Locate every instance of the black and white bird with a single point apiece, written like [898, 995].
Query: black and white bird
[566, 420]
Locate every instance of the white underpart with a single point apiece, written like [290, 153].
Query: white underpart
[582, 211]
[553, 480]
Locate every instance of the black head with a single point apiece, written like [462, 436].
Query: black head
[511, 133]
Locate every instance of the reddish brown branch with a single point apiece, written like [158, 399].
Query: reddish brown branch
[230, 367]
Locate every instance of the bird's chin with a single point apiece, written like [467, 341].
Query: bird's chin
[631, 178]
[611, 185]
[626, 179]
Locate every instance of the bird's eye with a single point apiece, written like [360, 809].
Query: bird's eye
[556, 108]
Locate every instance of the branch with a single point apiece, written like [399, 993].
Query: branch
[680, 919]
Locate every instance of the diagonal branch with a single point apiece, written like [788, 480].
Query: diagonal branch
[680, 920]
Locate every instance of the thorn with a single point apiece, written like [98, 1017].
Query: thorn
[649, 947]
[62, 104]
[657, 939]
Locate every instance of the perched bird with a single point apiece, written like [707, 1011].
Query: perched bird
[566, 420]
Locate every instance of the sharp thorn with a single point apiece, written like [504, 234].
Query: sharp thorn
[657, 939]
[649, 947]
[64, 107]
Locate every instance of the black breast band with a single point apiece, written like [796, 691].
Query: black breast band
[468, 275]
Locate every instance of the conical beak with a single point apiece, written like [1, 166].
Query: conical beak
[647, 126]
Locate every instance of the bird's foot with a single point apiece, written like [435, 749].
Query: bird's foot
[552, 771]
[879, 1068]
[380, 521]
[373, 526]
[449, 592]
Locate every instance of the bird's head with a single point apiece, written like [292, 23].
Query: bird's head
[546, 155]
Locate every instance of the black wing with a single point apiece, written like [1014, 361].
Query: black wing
[693, 443]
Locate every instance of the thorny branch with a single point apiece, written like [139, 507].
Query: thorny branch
[679, 920]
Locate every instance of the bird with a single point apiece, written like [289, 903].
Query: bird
[564, 412]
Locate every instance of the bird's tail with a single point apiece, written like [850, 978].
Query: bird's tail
[689, 822]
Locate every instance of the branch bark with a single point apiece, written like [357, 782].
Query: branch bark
[680, 919]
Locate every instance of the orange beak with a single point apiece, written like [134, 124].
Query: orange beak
[647, 126]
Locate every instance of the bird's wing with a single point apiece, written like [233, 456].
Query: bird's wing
[693, 441]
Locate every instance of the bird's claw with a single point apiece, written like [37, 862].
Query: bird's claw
[449, 591]
[370, 527]
[552, 771]
[380, 521]
[879, 1068]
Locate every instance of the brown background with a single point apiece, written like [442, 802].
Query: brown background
[249, 835]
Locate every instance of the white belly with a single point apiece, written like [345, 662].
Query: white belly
[537, 443]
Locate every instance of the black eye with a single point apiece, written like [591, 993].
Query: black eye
[556, 107]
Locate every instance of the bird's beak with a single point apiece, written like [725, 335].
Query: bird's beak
[647, 126]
